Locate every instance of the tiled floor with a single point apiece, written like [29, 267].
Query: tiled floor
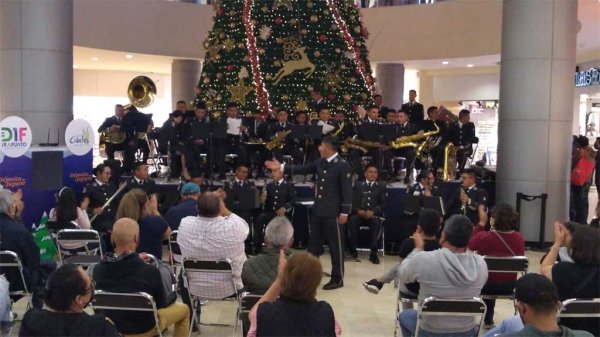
[359, 312]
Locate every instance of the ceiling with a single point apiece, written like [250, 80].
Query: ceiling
[85, 58]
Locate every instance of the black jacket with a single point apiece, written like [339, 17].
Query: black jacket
[234, 190]
[148, 186]
[458, 136]
[415, 112]
[15, 237]
[283, 195]
[135, 122]
[348, 130]
[368, 198]
[334, 185]
[38, 322]
[128, 274]
[172, 136]
[478, 197]
[407, 130]
[110, 121]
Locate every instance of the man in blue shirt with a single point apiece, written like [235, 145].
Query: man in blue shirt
[187, 207]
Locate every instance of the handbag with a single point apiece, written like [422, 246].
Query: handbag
[582, 172]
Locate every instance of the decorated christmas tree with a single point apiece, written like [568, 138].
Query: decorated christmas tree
[273, 53]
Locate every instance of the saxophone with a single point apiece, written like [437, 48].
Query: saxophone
[277, 142]
[410, 141]
[361, 145]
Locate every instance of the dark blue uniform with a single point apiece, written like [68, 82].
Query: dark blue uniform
[111, 148]
[367, 197]
[98, 194]
[279, 194]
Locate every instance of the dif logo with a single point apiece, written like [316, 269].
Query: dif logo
[15, 136]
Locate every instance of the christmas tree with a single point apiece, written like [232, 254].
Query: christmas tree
[273, 53]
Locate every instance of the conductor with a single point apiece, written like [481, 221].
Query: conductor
[333, 203]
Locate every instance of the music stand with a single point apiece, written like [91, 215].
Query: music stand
[390, 132]
[435, 203]
[315, 132]
[371, 132]
[411, 204]
[217, 130]
[248, 198]
[248, 122]
[299, 132]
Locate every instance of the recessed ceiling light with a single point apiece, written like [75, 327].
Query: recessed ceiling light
[74, 66]
[128, 56]
[445, 62]
[470, 66]
[95, 59]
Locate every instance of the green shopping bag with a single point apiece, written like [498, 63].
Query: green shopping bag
[44, 241]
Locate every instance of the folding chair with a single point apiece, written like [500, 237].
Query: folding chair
[432, 306]
[402, 300]
[247, 301]
[203, 269]
[10, 259]
[174, 252]
[86, 236]
[126, 302]
[507, 264]
[380, 236]
[581, 314]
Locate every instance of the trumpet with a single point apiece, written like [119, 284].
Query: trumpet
[277, 142]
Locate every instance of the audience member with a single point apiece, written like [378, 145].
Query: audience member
[16, 238]
[289, 307]
[537, 303]
[452, 272]
[136, 205]
[580, 279]
[126, 272]
[68, 292]
[502, 240]
[260, 271]
[5, 308]
[214, 234]
[187, 207]
[67, 215]
[428, 227]
[581, 178]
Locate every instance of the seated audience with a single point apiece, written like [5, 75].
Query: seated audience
[16, 238]
[126, 272]
[289, 307]
[581, 278]
[214, 234]
[537, 302]
[260, 271]
[67, 215]
[452, 272]
[428, 227]
[136, 205]
[68, 292]
[502, 240]
[5, 308]
[187, 207]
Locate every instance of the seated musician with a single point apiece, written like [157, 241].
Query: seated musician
[462, 134]
[95, 195]
[329, 127]
[405, 128]
[110, 127]
[469, 198]
[141, 179]
[171, 141]
[367, 209]
[345, 128]
[355, 155]
[233, 189]
[234, 141]
[425, 185]
[197, 142]
[277, 130]
[277, 197]
[391, 117]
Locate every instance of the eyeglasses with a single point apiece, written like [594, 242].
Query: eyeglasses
[91, 288]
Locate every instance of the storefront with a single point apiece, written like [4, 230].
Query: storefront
[586, 112]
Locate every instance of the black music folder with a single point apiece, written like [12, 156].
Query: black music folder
[411, 203]
[249, 198]
[371, 132]
[298, 132]
[315, 132]
[218, 129]
[434, 202]
[390, 132]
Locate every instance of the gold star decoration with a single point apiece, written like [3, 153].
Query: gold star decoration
[213, 51]
[301, 105]
[239, 92]
[228, 44]
[286, 3]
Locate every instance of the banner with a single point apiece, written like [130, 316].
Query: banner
[15, 136]
[79, 137]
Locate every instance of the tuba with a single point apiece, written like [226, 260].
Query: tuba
[449, 168]
[141, 91]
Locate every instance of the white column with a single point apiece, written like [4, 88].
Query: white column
[184, 76]
[536, 104]
[390, 81]
[36, 64]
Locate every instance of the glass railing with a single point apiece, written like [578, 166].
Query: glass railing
[361, 3]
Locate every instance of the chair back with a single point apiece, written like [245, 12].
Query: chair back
[8, 260]
[248, 301]
[507, 264]
[581, 314]
[431, 306]
[204, 271]
[141, 302]
[80, 236]
[174, 250]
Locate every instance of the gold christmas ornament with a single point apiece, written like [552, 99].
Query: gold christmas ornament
[218, 57]
[309, 4]
[317, 53]
[232, 13]
[241, 45]
[232, 25]
[302, 105]
[247, 58]
[264, 9]
[219, 98]
[314, 18]
[206, 80]
[277, 63]
[347, 97]
[303, 31]
[363, 96]
[238, 92]
[338, 50]
[295, 59]
[358, 43]
[326, 12]
[356, 29]
[293, 22]
[261, 51]
[213, 52]
[285, 97]
[222, 36]
[279, 41]
[352, 17]
[228, 44]
[353, 79]
[343, 66]
[283, 3]
[219, 75]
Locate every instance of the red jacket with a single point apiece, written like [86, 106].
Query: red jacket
[488, 243]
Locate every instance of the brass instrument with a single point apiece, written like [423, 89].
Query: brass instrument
[117, 137]
[277, 142]
[361, 145]
[408, 141]
[449, 162]
[426, 145]
[141, 91]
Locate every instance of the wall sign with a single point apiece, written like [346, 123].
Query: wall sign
[79, 137]
[587, 77]
[15, 136]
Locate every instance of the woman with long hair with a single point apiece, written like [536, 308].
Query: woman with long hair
[136, 205]
[67, 214]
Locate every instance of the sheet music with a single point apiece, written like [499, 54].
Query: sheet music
[326, 127]
[233, 126]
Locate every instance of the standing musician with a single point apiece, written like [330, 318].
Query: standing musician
[277, 197]
[171, 141]
[113, 138]
[318, 101]
[469, 198]
[345, 128]
[233, 143]
[404, 128]
[372, 118]
[233, 189]
[135, 125]
[141, 179]
[198, 129]
[367, 208]
[414, 109]
[332, 206]
[96, 194]
[278, 129]
[462, 134]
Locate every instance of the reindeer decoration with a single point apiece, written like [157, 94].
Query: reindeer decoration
[296, 59]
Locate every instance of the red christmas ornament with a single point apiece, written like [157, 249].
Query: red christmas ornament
[220, 11]
[330, 97]
[278, 21]
[229, 67]
[323, 38]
